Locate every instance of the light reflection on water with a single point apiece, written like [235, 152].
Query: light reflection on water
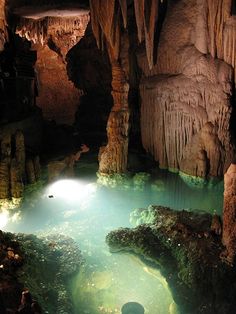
[107, 281]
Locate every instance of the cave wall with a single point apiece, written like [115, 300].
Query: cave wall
[53, 37]
[186, 96]
[57, 96]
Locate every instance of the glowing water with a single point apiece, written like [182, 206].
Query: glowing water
[80, 210]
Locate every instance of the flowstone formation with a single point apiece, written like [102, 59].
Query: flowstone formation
[186, 96]
[57, 258]
[186, 247]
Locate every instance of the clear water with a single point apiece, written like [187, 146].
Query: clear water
[81, 210]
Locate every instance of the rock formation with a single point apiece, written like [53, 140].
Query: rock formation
[65, 167]
[183, 247]
[186, 97]
[229, 214]
[58, 98]
[16, 182]
[53, 35]
[4, 179]
[3, 26]
[15, 169]
[113, 158]
[54, 254]
[187, 75]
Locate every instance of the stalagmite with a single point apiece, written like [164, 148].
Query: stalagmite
[113, 158]
[16, 183]
[4, 180]
[6, 147]
[229, 214]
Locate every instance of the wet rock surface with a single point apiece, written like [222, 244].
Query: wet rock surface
[43, 265]
[186, 247]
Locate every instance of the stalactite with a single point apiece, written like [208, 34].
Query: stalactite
[95, 22]
[123, 5]
[149, 27]
[106, 14]
[38, 30]
[139, 15]
[222, 31]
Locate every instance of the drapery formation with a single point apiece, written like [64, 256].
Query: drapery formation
[186, 97]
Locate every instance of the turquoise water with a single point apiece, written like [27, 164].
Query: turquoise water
[79, 208]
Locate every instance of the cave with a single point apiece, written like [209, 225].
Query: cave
[117, 156]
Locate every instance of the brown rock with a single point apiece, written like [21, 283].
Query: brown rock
[216, 225]
[186, 107]
[229, 214]
[4, 180]
[113, 158]
[16, 179]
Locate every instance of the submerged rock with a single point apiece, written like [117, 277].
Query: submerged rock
[115, 180]
[43, 265]
[187, 252]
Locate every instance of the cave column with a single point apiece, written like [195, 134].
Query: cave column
[113, 157]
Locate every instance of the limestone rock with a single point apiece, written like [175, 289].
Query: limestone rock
[229, 214]
[186, 97]
[182, 247]
[16, 179]
[3, 26]
[4, 179]
[6, 147]
[113, 158]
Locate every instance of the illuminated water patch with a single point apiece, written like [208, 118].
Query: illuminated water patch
[4, 217]
[66, 189]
